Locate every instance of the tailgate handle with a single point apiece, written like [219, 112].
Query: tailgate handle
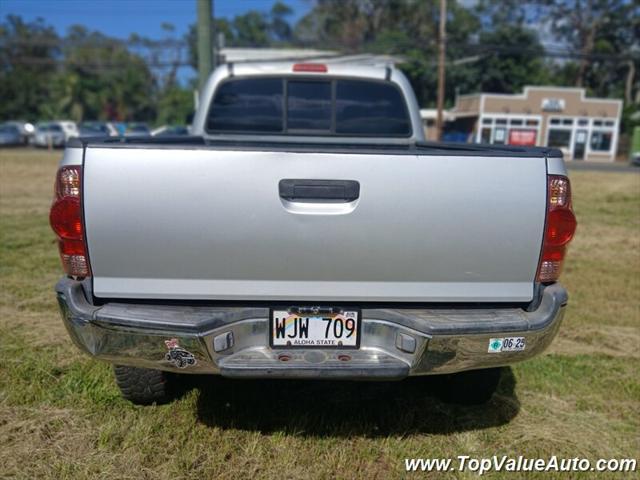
[301, 190]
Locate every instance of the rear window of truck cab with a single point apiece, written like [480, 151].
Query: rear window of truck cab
[309, 106]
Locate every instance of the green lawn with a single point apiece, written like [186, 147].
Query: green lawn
[61, 415]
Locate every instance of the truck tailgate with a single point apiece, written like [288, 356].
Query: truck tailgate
[207, 223]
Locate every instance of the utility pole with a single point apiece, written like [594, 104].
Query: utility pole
[441, 51]
[205, 45]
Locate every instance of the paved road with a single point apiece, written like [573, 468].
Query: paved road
[603, 167]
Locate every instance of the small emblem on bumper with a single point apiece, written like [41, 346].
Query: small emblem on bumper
[177, 355]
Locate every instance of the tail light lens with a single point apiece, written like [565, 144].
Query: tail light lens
[560, 227]
[66, 221]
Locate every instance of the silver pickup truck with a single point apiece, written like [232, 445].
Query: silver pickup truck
[307, 230]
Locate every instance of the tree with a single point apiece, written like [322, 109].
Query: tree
[110, 81]
[405, 28]
[28, 54]
[279, 26]
[597, 41]
[511, 57]
[347, 24]
[497, 13]
[251, 29]
[595, 26]
[174, 105]
[221, 27]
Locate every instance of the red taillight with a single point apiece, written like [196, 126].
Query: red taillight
[560, 227]
[66, 221]
[65, 218]
[310, 67]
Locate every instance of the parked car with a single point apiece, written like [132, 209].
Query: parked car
[309, 231]
[55, 134]
[170, 131]
[10, 136]
[25, 129]
[137, 130]
[97, 129]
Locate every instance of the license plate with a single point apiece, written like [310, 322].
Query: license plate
[315, 328]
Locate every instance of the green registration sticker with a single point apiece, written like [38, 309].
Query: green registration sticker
[508, 344]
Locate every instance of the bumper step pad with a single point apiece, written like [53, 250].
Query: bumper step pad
[263, 363]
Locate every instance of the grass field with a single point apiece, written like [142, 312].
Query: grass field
[61, 415]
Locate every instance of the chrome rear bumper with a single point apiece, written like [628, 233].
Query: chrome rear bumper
[233, 341]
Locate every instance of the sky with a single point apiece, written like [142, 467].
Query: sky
[120, 18]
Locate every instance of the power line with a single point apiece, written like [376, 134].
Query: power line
[91, 42]
[35, 61]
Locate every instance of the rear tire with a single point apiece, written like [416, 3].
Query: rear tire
[473, 387]
[143, 386]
